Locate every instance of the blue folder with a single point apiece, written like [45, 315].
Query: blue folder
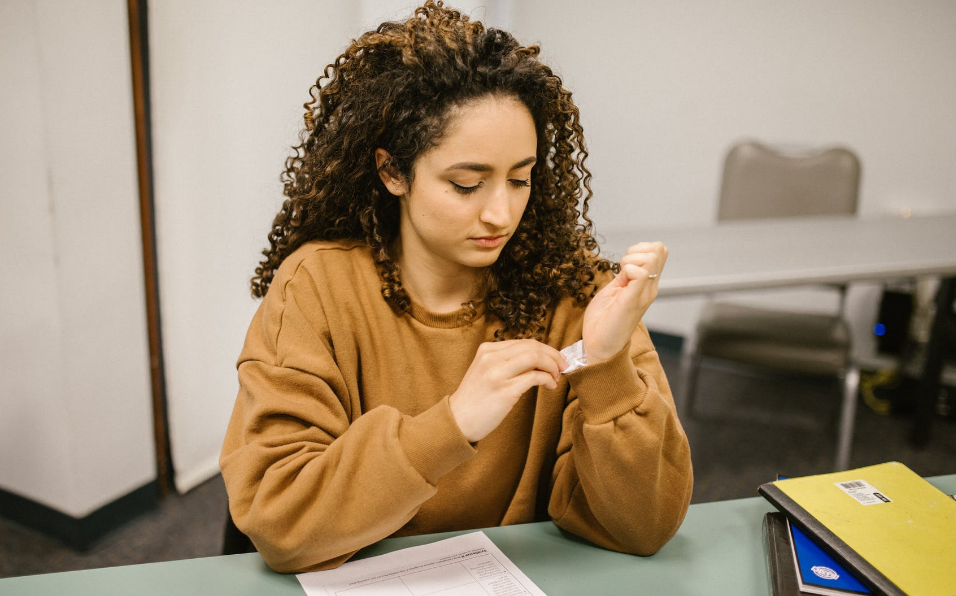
[817, 571]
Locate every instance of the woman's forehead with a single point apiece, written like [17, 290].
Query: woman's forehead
[493, 130]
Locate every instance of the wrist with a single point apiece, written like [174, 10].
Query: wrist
[596, 355]
[461, 419]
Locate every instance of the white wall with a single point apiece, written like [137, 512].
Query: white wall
[665, 87]
[75, 417]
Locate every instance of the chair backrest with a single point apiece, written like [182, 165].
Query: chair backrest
[762, 182]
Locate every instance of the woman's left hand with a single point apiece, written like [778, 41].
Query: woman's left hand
[618, 308]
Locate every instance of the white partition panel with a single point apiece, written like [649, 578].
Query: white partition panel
[75, 415]
[228, 82]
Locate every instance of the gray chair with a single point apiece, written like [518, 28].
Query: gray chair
[763, 182]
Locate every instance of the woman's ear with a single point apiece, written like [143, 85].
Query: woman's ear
[393, 181]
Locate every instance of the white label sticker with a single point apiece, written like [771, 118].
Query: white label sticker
[863, 492]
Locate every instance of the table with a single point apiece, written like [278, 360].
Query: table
[774, 253]
[718, 550]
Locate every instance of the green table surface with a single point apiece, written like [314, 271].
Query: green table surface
[718, 550]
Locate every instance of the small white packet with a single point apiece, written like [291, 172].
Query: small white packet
[575, 356]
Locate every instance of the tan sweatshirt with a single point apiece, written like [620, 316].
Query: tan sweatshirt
[342, 434]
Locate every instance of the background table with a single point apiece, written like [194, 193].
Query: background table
[774, 253]
[755, 254]
[718, 550]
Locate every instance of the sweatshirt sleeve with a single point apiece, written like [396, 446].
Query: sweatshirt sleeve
[310, 479]
[623, 476]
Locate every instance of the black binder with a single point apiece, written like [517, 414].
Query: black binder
[780, 567]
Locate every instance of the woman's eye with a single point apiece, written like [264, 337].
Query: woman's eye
[520, 183]
[465, 190]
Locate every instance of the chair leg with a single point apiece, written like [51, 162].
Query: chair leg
[851, 384]
[690, 365]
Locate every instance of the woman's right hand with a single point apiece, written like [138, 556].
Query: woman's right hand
[500, 373]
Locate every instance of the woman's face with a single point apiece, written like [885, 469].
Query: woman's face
[469, 192]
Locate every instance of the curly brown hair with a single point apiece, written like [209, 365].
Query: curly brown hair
[394, 88]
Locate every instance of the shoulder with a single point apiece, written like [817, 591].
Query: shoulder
[321, 274]
[324, 253]
[316, 283]
[331, 260]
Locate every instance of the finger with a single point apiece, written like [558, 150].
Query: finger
[617, 282]
[531, 357]
[652, 262]
[656, 248]
[641, 291]
[511, 357]
[636, 273]
[650, 267]
[533, 344]
[550, 361]
[533, 378]
[636, 291]
[641, 258]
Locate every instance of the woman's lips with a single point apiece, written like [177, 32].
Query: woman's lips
[489, 241]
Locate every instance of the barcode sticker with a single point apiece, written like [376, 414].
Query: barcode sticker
[863, 492]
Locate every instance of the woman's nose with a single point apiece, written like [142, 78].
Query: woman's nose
[497, 209]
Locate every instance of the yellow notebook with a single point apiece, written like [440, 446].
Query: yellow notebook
[884, 521]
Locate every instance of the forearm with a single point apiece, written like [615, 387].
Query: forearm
[309, 500]
[623, 478]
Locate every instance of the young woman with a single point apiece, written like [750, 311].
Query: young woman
[403, 374]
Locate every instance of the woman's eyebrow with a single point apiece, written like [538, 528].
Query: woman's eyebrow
[524, 162]
[483, 167]
[471, 166]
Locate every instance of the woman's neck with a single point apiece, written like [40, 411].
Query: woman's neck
[437, 287]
